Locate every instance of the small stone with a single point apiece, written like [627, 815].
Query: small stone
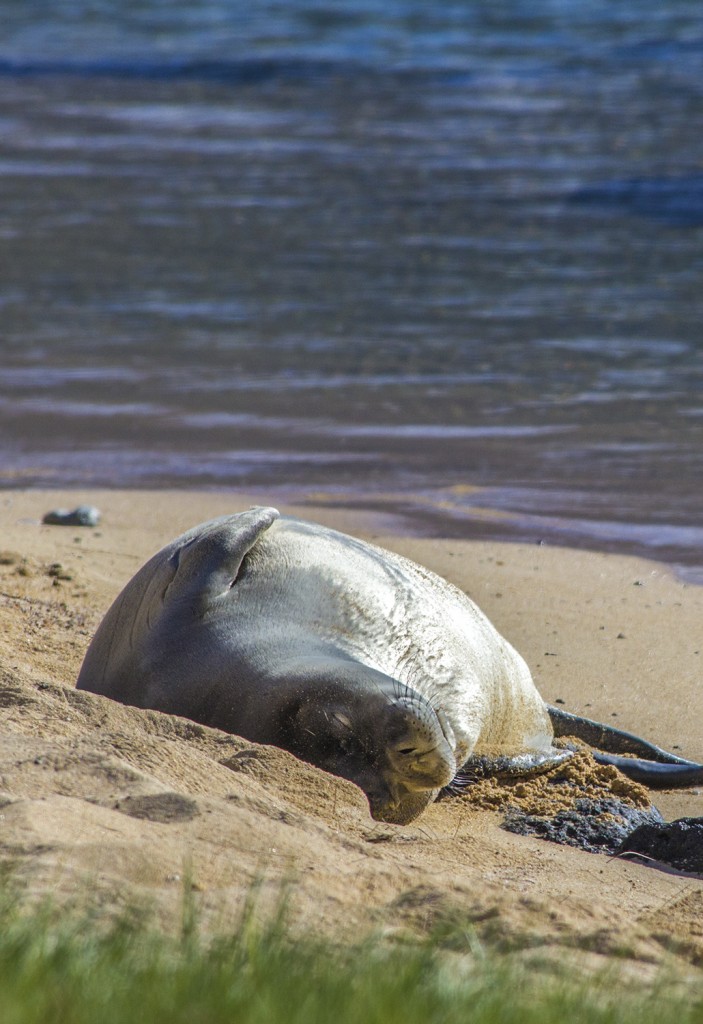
[83, 515]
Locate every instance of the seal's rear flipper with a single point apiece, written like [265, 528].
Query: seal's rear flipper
[605, 737]
[654, 774]
[652, 766]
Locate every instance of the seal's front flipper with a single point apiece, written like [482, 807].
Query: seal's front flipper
[175, 584]
[501, 766]
[207, 563]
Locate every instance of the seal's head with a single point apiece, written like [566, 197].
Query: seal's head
[394, 746]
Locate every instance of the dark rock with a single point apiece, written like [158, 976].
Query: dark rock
[598, 826]
[679, 844]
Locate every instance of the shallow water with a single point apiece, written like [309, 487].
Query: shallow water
[440, 259]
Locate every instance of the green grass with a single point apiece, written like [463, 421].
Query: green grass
[64, 967]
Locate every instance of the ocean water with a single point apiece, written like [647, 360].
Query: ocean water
[444, 260]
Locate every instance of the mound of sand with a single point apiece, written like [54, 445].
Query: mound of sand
[136, 804]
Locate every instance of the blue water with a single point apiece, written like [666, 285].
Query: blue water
[443, 259]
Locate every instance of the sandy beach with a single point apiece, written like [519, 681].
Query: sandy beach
[132, 803]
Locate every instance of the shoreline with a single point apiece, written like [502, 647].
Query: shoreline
[492, 522]
[467, 512]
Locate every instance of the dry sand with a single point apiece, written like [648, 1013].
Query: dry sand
[134, 803]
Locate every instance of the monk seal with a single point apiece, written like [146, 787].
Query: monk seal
[353, 658]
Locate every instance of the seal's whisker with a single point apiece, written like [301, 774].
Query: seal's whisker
[459, 783]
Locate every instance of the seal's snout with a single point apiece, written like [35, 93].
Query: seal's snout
[399, 807]
[418, 749]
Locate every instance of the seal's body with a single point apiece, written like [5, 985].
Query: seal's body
[286, 632]
[353, 658]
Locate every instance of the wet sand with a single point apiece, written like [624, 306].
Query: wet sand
[130, 801]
